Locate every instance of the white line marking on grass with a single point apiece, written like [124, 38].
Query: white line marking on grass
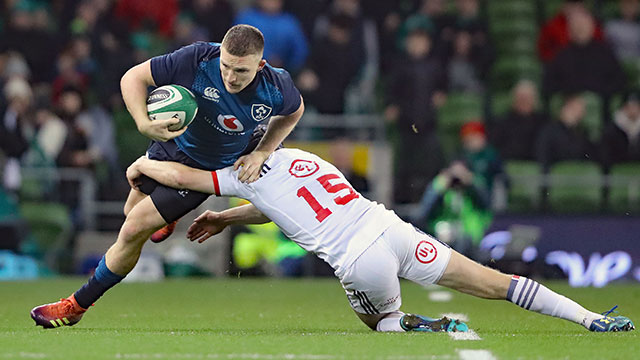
[457, 316]
[469, 335]
[258, 356]
[23, 355]
[440, 296]
[475, 355]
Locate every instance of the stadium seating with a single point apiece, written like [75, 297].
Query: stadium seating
[500, 103]
[575, 187]
[525, 185]
[624, 188]
[508, 70]
[457, 110]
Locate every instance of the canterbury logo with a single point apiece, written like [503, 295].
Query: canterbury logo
[59, 322]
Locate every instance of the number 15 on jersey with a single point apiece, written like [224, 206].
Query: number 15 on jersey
[325, 180]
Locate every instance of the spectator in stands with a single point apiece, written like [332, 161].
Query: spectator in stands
[285, 44]
[76, 150]
[621, 137]
[514, 134]
[585, 64]
[455, 208]
[623, 33]
[332, 66]
[416, 89]
[49, 135]
[341, 152]
[431, 15]
[464, 69]
[565, 139]
[29, 32]
[187, 32]
[68, 75]
[306, 12]
[554, 35]
[205, 10]
[364, 39]
[136, 13]
[13, 143]
[479, 155]
[469, 20]
[114, 55]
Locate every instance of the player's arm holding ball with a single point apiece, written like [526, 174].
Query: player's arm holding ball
[134, 85]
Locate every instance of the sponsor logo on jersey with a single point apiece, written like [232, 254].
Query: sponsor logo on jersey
[426, 252]
[260, 112]
[211, 93]
[303, 168]
[230, 123]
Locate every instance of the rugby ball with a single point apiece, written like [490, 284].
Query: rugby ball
[172, 102]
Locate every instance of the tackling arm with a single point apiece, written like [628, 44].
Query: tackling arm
[171, 174]
[211, 223]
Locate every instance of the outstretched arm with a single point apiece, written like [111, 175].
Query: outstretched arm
[171, 174]
[278, 129]
[211, 223]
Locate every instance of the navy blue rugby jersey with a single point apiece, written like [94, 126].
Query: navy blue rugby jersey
[224, 123]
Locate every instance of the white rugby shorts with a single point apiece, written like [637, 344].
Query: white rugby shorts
[372, 283]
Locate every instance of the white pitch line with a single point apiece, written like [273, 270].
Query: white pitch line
[469, 335]
[475, 355]
[440, 296]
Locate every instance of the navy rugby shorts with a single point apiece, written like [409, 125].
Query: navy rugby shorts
[171, 203]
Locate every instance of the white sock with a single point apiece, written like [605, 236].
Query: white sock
[531, 295]
[391, 322]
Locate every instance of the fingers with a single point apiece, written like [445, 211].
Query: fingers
[198, 234]
[205, 237]
[239, 162]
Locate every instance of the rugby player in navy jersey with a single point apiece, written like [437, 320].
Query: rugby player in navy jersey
[236, 90]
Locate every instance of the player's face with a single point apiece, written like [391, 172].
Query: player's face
[238, 71]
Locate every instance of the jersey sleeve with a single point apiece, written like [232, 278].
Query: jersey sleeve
[290, 94]
[226, 183]
[180, 66]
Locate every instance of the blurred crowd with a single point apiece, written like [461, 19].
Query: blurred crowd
[61, 62]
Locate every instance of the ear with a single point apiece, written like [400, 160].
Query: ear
[261, 64]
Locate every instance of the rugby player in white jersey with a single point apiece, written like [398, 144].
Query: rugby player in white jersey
[368, 246]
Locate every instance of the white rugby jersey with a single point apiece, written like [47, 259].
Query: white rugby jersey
[313, 204]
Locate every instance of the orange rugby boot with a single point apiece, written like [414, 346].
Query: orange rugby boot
[162, 234]
[65, 312]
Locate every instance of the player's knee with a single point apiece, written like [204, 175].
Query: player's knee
[127, 208]
[134, 231]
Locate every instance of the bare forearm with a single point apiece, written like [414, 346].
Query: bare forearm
[244, 215]
[134, 84]
[176, 175]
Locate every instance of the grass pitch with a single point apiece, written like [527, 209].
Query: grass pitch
[294, 319]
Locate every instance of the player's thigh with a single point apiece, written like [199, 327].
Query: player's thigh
[423, 259]
[133, 199]
[371, 282]
[172, 204]
[466, 275]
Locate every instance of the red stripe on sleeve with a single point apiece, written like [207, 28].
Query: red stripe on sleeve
[216, 184]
